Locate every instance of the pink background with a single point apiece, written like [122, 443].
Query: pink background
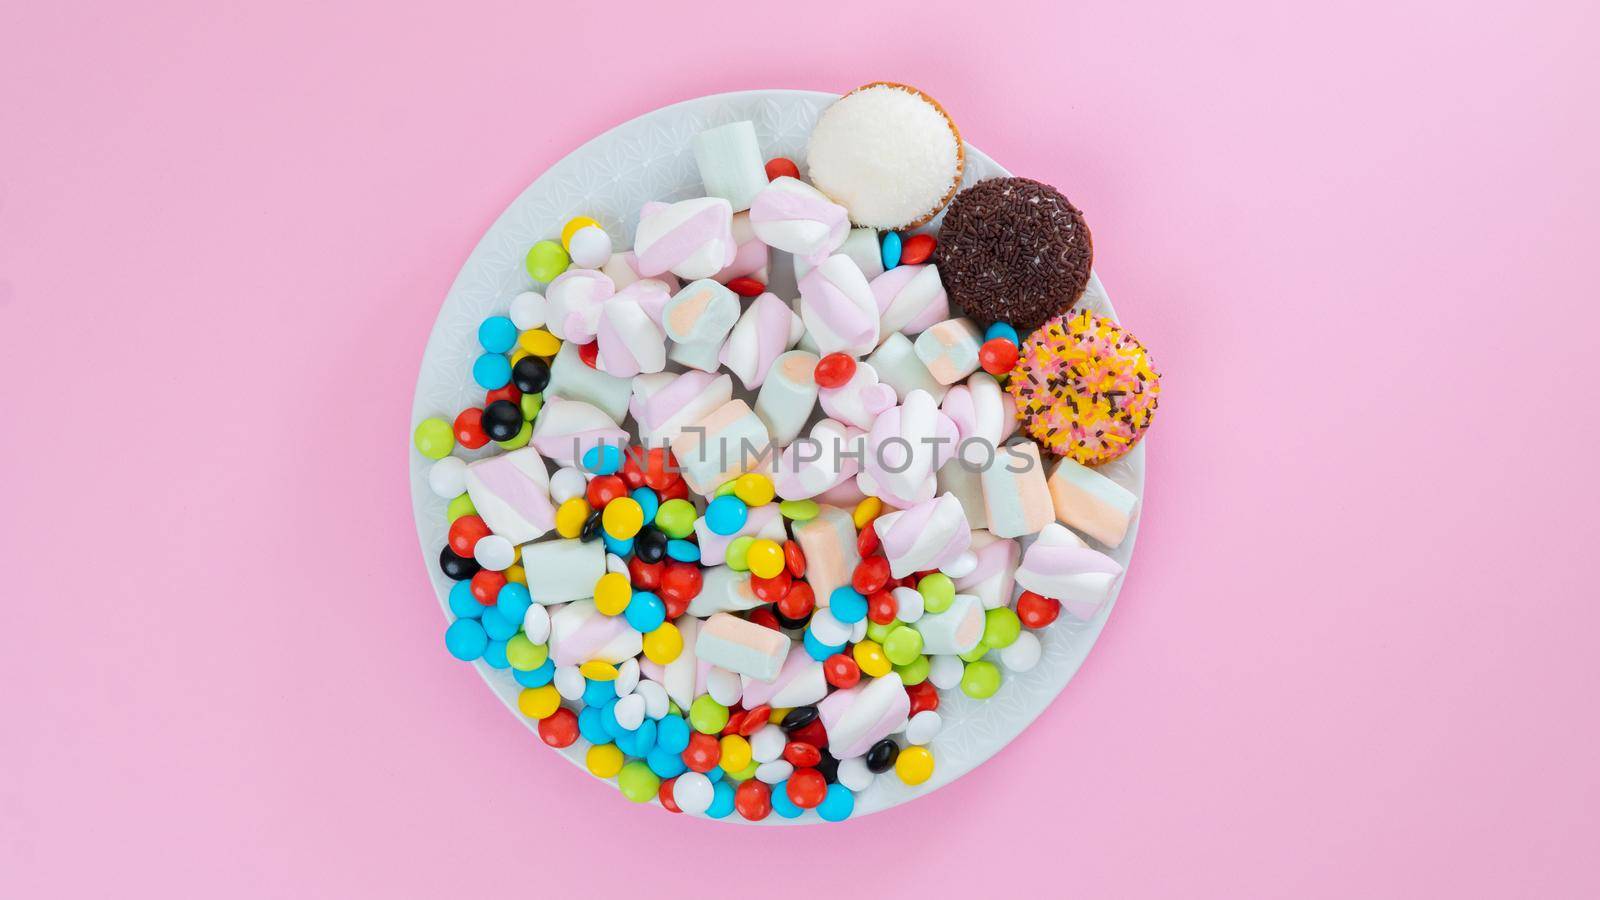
[1353, 656]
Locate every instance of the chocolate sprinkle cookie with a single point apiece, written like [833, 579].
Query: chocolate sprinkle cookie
[1013, 250]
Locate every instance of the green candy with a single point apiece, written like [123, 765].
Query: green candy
[976, 653]
[637, 782]
[521, 440]
[937, 591]
[738, 550]
[799, 510]
[874, 631]
[434, 438]
[675, 518]
[724, 490]
[903, 645]
[707, 715]
[546, 260]
[1001, 627]
[980, 680]
[524, 655]
[914, 672]
[673, 708]
[531, 404]
[747, 773]
[460, 506]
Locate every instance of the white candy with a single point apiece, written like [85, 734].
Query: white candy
[656, 701]
[962, 565]
[1023, 653]
[923, 726]
[767, 743]
[528, 310]
[774, 772]
[536, 623]
[898, 366]
[730, 163]
[629, 712]
[566, 483]
[615, 563]
[590, 247]
[827, 628]
[627, 677]
[854, 774]
[723, 686]
[945, 671]
[569, 682]
[447, 478]
[494, 552]
[858, 631]
[693, 792]
[909, 605]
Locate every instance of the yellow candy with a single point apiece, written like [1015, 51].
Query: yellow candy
[754, 488]
[914, 765]
[598, 670]
[870, 657]
[663, 645]
[570, 517]
[517, 574]
[571, 228]
[735, 753]
[612, 593]
[518, 354]
[622, 518]
[778, 713]
[539, 342]
[604, 760]
[765, 558]
[866, 511]
[539, 702]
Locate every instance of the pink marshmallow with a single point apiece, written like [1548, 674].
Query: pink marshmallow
[926, 536]
[859, 401]
[574, 301]
[910, 298]
[860, 716]
[690, 238]
[904, 450]
[791, 215]
[767, 328]
[838, 308]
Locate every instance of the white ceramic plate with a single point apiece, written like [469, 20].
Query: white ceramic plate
[609, 178]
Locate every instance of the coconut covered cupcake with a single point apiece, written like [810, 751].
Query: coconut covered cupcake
[888, 153]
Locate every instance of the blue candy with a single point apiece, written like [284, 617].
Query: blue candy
[726, 514]
[816, 649]
[491, 371]
[462, 603]
[596, 693]
[847, 606]
[495, 655]
[781, 804]
[715, 774]
[1002, 330]
[620, 548]
[664, 764]
[721, 800]
[646, 734]
[539, 677]
[683, 551]
[603, 458]
[513, 601]
[648, 502]
[645, 612]
[466, 640]
[498, 627]
[891, 250]
[837, 804]
[592, 726]
[497, 334]
[672, 733]
[628, 743]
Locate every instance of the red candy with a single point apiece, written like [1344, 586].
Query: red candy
[465, 533]
[660, 469]
[678, 490]
[801, 754]
[997, 356]
[605, 488]
[486, 586]
[771, 590]
[509, 393]
[794, 559]
[923, 696]
[807, 787]
[1037, 611]
[753, 800]
[882, 607]
[871, 575]
[645, 575]
[867, 541]
[763, 616]
[680, 583]
[735, 720]
[559, 730]
[746, 287]
[589, 353]
[834, 370]
[668, 802]
[799, 602]
[754, 720]
[779, 166]
[841, 671]
[916, 249]
[632, 475]
[469, 428]
[815, 734]
[703, 753]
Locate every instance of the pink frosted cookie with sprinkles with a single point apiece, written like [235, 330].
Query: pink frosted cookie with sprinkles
[1085, 388]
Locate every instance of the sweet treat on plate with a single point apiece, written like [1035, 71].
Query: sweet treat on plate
[1085, 388]
[889, 153]
[1013, 250]
[729, 616]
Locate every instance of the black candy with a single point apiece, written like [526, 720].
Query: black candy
[456, 568]
[650, 545]
[591, 527]
[799, 717]
[531, 375]
[502, 420]
[786, 622]
[881, 756]
[829, 767]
